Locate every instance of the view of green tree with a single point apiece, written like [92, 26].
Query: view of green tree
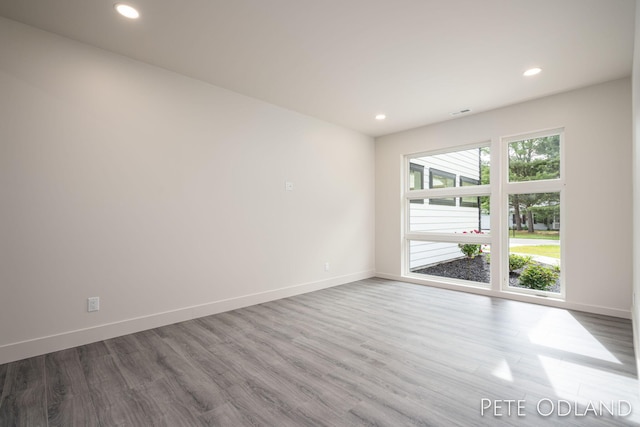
[533, 160]
[545, 207]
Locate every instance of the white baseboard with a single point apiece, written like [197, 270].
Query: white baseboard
[38, 346]
[595, 309]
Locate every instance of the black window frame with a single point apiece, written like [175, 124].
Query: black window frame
[470, 181]
[448, 201]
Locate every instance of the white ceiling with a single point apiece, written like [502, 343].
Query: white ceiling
[346, 60]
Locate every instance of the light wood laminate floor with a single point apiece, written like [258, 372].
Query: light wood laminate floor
[373, 352]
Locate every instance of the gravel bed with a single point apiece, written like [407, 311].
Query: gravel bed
[476, 269]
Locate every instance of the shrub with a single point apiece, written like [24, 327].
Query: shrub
[471, 250]
[538, 277]
[516, 262]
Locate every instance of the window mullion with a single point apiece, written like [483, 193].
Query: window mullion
[546, 186]
[476, 190]
[427, 236]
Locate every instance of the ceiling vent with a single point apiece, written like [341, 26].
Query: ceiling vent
[464, 111]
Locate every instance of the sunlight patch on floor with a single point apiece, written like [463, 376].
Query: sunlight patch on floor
[503, 371]
[572, 337]
[592, 384]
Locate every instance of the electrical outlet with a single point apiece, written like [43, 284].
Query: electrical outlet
[288, 186]
[93, 304]
[326, 266]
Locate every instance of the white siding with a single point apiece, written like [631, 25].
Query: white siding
[442, 219]
[422, 254]
[465, 163]
[429, 217]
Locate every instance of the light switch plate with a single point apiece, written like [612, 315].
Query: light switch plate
[93, 304]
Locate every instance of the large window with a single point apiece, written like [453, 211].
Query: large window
[448, 221]
[533, 262]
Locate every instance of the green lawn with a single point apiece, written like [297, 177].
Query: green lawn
[546, 235]
[552, 251]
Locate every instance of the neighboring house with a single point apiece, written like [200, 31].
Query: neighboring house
[554, 223]
[447, 215]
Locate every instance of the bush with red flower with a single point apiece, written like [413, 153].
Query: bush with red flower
[471, 250]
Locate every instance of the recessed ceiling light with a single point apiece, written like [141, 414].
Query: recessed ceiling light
[127, 11]
[381, 116]
[532, 72]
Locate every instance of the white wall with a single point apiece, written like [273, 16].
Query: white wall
[597, 127]
[160, 194]
[636, 185]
